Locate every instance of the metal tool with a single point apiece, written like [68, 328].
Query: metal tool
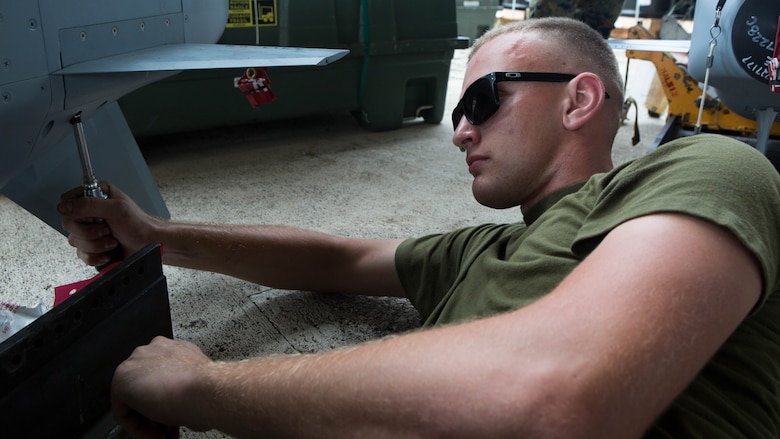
[90, 182]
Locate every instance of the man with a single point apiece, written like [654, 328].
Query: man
[634, 301]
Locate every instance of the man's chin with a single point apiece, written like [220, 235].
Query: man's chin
[492, 201]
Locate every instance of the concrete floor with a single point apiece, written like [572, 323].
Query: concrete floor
[323, 173]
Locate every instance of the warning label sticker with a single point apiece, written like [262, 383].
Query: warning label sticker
[249, 13]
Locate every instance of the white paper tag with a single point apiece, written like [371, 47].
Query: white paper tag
[15, 317]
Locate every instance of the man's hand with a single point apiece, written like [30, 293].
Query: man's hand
[150, 390]
[123, 223]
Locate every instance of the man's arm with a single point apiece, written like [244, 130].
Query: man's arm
[600, 356]
[275, 256]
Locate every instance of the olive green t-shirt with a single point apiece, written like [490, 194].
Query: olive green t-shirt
[488, 269]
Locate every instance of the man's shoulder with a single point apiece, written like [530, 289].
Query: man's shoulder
[715, 146]
[715, 155]
[708, 176]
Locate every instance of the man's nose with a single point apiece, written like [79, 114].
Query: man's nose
[464, 134]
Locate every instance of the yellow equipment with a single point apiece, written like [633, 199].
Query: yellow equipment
[683, 95]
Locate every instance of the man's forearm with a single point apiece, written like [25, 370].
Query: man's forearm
[282, 257]
[432, 383]
[392, 388]
[276, 256]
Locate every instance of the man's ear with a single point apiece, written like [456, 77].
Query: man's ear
[586, 93]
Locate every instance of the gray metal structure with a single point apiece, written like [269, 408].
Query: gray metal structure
[59, 58]
[741, 45]
[730, 48]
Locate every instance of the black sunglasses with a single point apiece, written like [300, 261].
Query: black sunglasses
[480, 100]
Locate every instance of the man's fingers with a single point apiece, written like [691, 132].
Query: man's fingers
[93, 241]
[94, 259]
[86, 228]
[73, 193]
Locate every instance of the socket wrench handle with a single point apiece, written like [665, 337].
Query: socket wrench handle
[90, 182]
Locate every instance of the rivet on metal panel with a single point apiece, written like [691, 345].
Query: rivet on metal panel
[143, 26]
[32, 24]
[83, 35]
[114, 30]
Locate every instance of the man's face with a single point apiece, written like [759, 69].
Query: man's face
[512, 154]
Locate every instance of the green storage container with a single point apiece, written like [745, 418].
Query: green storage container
[475, 17]
[397, 68]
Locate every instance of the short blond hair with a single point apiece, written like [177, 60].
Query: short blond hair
[581, 43]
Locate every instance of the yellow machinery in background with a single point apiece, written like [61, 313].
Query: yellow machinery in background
[727, 84]
[682, 95]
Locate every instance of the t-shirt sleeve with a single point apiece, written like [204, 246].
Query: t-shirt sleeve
[707, 176]
[429, 266]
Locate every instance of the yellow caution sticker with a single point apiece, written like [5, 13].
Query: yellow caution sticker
[250, 13]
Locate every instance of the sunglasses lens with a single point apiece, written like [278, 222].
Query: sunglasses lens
[477, 104]
[457, 115]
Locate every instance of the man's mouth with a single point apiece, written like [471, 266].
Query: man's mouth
[473, 162]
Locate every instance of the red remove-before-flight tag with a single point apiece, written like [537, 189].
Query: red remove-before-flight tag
[63, 292]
